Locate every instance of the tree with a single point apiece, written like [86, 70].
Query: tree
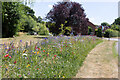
[36, 28]
[105, 24]
[39, 19]
[117, 21]
[71, 12]
[27, 21]
[43, 30]
[111, 33]
[99, 32]
[115, 27]
[30, 24]
[10, 16]
[29, 12]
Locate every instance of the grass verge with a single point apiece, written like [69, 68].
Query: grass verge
[114, 50]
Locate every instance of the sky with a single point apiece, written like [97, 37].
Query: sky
[96, 11]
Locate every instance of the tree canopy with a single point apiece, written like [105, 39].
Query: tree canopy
[18, 17]
[10, 17]
[105, 24]
[117, 21]
[71, 12]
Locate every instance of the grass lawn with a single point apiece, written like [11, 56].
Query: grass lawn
[55, 57]
[24, 38]
[115, 53]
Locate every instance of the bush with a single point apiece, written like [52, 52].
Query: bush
[99, 32]
[96, 31]
[111, 33]
[89, 30]
[43, 29]
[115, 27]
[17, 34]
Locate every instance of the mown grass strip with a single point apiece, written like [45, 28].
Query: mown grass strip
[114, 50]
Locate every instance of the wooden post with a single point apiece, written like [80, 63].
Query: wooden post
[26, 44]
[30, 43]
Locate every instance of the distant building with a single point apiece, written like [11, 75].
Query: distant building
[92, 26]
[84, 32]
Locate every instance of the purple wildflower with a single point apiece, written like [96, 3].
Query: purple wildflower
[20, 40]
[19, 68]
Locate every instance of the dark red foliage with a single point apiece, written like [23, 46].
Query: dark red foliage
[71, 12]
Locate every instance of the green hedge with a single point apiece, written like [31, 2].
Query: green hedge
[111, 33]
[99, 32]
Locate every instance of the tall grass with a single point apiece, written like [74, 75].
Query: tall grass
[54, 57]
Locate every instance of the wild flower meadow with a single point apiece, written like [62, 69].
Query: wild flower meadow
[54, 57]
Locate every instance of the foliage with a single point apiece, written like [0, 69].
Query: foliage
[110, 33]
[89, 30]
[29, 12]
[27, 19]
[43, 30]
[71, 12]
[115, 27]
[39, 20]
[18, 17]
[55, 57]
[10, 16]
[99, 32]
[30, 24]
[36, 28]
[63, 29]
[52, 27]
[105, 24]
[96, 31]
[22, 22]
[117, 21]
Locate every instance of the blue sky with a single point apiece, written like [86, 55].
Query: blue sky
[97, 12]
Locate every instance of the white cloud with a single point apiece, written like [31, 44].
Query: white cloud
[50, 6]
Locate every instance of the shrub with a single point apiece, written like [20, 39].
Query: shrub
[96, 31]
[17, 34]
[99, 32]
[89, 30]
[111, 33]
[43, 30]
[115, 27]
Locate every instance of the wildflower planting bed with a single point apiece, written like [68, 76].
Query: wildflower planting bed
[54, 57]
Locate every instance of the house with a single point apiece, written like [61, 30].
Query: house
[92, 26]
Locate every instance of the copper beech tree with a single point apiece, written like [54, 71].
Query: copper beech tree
[72, 12]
